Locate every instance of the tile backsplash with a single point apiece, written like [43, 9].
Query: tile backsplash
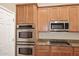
[59, 35]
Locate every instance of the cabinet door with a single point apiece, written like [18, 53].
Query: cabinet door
[30, 14]
[42, 51]
[54, 13]
[61, 51]
[73, 18]
[78, 17]
[42, 19]
[24, 14]
[64, 13]
[20, 14]
[76, 51]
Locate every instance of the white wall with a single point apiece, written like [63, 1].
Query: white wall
[7, 32]
[10, 6]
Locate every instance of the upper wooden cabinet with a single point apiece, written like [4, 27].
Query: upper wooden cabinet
[53, 13]
[73, 18]
[41, 16]
[69, 13]
[64, 13]
[42, 19]
[24, 13]
[59, 13]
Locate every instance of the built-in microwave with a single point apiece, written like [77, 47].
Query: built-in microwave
[59, 25]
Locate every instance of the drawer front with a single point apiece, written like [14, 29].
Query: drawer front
[42, 54]
[76, 49]
[42, 50]
[62, 49]
[42, 47]
[76, 53]
[60, 53]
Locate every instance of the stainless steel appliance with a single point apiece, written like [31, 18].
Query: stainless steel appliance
[59, 25]
[25, 32]
[25, 50]
[25, 40]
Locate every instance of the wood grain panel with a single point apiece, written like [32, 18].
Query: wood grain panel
[24, 14]
[61, 51]
[64, 13]
[73, 18]
[76, 49]
[54, 13]
[76, 53]
[19, 13]
[30, 14]
[41, 47]
[78, 18]
[42, 19]
[42, 50]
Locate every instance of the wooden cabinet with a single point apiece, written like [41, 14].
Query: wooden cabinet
[24, 13]
[59, 13]
[63, 13]
[42, 19]
[69, 13]
[53, 13]
[42, 50]
[73, 18]
[61, 51]
[76, 51]
[78, 18]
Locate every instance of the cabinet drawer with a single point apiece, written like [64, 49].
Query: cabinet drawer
[76, 53]
[76, 49]
[42, 54]
[61, 53]
[37, 50]
[42, 47]
[61, 48]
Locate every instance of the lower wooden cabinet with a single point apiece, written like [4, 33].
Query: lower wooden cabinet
[61, 51]
[76, 51]
[42, 50]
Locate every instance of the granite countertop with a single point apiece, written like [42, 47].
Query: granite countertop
[73, 44]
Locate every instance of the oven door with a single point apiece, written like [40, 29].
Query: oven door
[25, 50]
[25, 35]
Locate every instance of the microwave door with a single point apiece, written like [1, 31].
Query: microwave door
[57, 25]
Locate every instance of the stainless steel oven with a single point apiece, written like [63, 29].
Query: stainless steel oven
[25, 50]
[25, 32]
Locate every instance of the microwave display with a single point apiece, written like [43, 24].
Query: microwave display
[57, 25]
[25, 34]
